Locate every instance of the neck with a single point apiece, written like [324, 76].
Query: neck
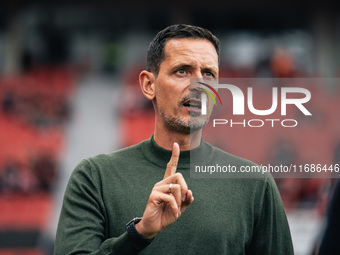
[166, 138]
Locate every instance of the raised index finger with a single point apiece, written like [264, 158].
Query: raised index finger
[171, 167]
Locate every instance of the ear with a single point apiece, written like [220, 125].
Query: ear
[147, 84]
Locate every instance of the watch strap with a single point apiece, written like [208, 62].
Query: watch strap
[134, 235]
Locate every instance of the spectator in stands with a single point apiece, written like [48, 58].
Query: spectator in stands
[44, 169]
[8, 102]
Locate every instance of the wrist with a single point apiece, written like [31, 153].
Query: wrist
[135, 235]
[141, 230]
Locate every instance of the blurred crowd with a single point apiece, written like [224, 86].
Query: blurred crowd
[34, 110]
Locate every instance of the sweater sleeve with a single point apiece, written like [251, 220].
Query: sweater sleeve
[271, 233]
[81, 227]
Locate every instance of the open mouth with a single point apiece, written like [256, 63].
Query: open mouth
[193, 104]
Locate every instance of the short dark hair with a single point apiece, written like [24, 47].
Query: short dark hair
[156, 53]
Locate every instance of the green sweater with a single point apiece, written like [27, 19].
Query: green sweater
[228, 216]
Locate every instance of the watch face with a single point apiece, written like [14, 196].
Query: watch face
[134, 220]
[137, 219]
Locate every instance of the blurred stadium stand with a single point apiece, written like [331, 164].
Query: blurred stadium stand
[33, 114]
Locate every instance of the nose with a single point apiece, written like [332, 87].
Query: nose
[197, 74]
[195, 78]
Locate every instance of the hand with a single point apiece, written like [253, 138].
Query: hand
[164, 208]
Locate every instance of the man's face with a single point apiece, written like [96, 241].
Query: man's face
[177, 104]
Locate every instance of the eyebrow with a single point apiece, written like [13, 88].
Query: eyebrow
[184, 66]
[189, 66]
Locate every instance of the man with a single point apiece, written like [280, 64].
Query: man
[152, 179]
[329, 243]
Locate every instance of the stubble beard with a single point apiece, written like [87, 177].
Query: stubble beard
[183, 125]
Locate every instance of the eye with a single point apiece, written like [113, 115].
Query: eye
[209, 74]
[180, 71]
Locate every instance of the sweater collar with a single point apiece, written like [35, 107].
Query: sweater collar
[160, 156]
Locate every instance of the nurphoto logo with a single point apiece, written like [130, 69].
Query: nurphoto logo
[239, 99]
